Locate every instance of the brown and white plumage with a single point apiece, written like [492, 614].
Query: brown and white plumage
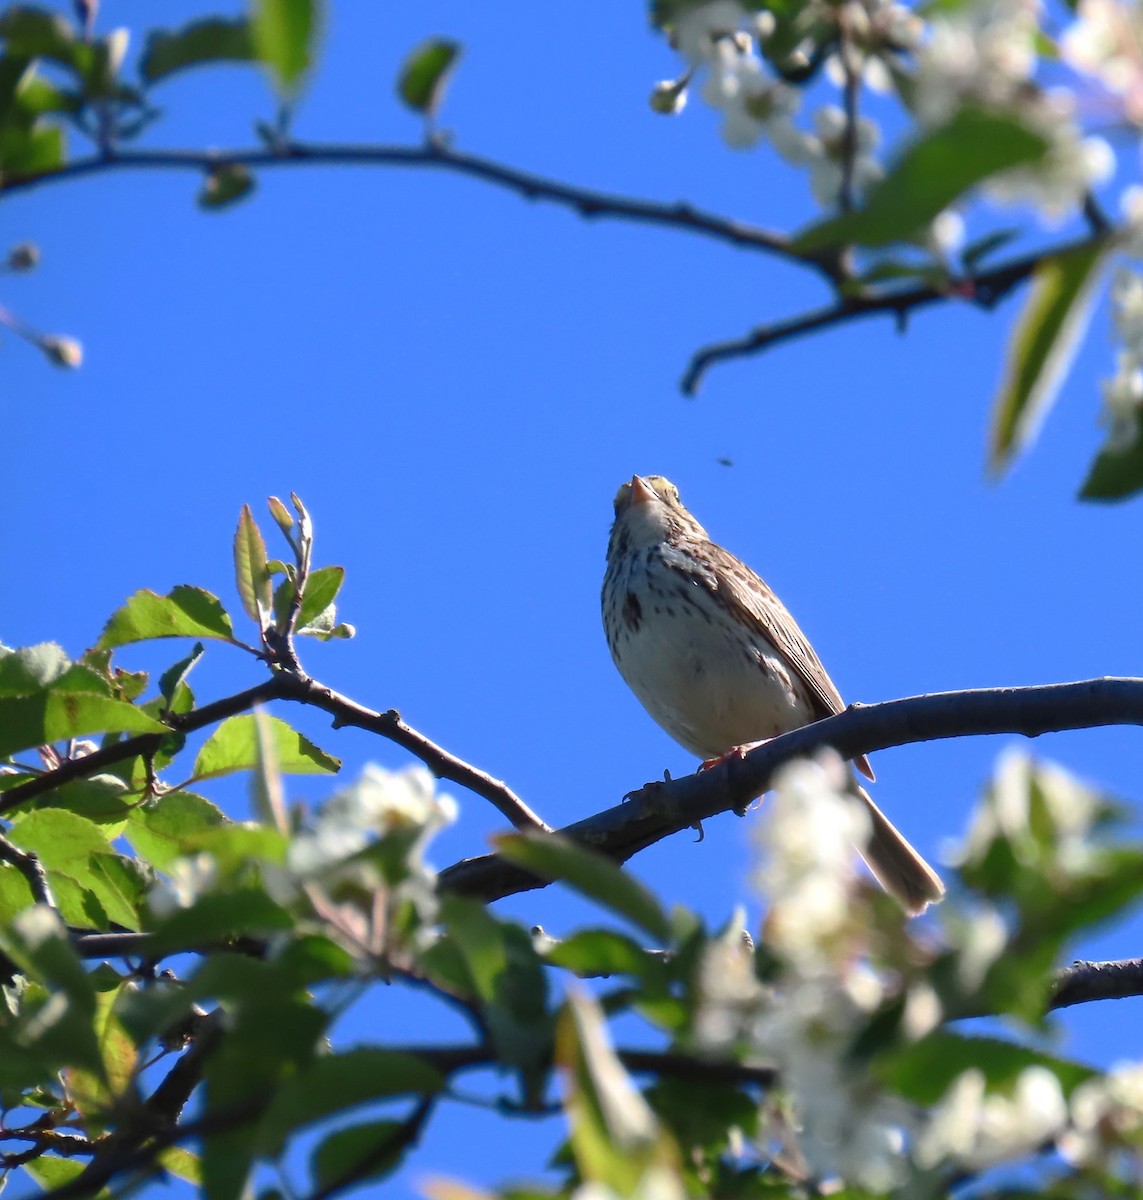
[717, 660]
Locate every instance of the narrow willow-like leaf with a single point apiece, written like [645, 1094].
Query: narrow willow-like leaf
[284, 35]
[251, 573]
[1041, 348]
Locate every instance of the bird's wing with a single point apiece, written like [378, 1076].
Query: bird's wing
[749, 598]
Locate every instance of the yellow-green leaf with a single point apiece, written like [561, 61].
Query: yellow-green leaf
[1041, 348]
[233, 746]
[251, 572]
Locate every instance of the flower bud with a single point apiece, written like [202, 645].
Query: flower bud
[63, 351]
[669, 97]
[23, 257]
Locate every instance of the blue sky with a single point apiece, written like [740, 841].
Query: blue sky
[456, 381]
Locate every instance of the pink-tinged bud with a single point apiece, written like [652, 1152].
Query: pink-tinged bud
[63, 351]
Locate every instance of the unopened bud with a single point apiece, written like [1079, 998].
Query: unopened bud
[63, 351]
[23, 257]
[669, 97]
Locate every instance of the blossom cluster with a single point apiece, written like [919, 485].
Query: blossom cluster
[837, 1118]
[982, 54]
[361, 856]
[1123, 392]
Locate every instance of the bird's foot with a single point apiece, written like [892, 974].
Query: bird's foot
[739, 752]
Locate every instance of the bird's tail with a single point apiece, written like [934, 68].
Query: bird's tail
[900, 870]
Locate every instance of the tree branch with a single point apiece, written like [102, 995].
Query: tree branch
[660, 809]
[433, 155]
[1083, 982]
[32, 870]
[985, 289]
[300, 688]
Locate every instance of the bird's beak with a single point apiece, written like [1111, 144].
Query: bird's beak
[640, 492]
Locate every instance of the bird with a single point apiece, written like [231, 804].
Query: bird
[717, 660]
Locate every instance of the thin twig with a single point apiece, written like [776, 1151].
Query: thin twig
[985, 290]
[407, 1134]
[434, 155]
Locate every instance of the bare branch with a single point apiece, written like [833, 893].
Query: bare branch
[1083, 982]
[433, 155]
[985, 290]
[660, 809]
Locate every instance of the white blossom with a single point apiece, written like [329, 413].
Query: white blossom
[1104, 1111]
[982, 52]
[975, 1129]
[808, 832]
[828, 150]
[378, 802]
[1106, 42]
[980, 939]
[697, 30]
[1123, 392]
[188, 878]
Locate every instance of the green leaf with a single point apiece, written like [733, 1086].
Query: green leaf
[233, 746]
[212, 40]
[591, 874]
[1043, 342]
[508, 977]
[34, 151]
[322, 588]
[425, 73]
[923, 1071]
[37, 943]
[357, 1153]
[15, 894]
[285, 32]
[594, 953]
[339, 1081]
[218, 917]
[95, 1093]
[614, 1133]
[186, 612]
[1117, 473]
[173, 686]
[57, 715]
[182, 1164]
[927, 178]
[35, 33]
[170, 827]
[976, 251]
[104, 799]
[225, 184]
[51, 1172]
[31, 669]
[250, 572]
[66, 842]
